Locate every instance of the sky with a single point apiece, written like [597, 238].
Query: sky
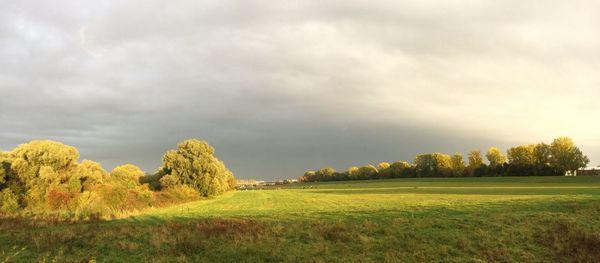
[281, 87]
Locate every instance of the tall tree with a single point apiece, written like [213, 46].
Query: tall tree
[128, 175]
[541, 160]
[384, 170]
[194, 165]
[476, 165]
[435, 164]
[522, 155]
[326, 174]
[495, 157]
[400, 169]
[458, 164]
[521, 160]
[565, 156]
[367, 172]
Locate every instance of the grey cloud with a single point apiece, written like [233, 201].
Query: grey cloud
[279, 87]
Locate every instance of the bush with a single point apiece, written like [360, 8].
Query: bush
[44, 179]
[194, 165]
[90, 205]
[8, 202]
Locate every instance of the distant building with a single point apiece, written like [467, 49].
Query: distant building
[588, 171]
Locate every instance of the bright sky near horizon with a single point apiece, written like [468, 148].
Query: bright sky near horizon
[280, 87]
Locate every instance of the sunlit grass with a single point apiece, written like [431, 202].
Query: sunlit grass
[537, 219]
[368, 199]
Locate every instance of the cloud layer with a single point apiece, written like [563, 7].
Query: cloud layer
[279, 87]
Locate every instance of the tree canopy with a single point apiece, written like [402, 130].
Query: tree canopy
[44, 177]
[193, 164]
[525, 160]
[565, 156]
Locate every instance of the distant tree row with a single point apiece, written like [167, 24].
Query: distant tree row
[44, 178]
[540, 159]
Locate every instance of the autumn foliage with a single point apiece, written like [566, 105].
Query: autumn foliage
[44, 178]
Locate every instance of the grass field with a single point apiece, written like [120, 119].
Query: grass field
[494, 219]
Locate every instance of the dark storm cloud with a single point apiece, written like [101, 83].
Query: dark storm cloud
[280, 87]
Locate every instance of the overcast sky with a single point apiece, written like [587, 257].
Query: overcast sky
[280, 87]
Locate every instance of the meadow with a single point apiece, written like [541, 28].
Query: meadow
[486, 219]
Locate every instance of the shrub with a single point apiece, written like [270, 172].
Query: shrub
[8, 202]
[90, 205]
[194, 165]
[127, 175]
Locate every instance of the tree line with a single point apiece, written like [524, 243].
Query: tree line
[539, 159]
[44, 178]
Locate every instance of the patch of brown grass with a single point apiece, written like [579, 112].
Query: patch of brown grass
[571, 243]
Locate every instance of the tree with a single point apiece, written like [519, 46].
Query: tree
[309, 176]
[29, 158]
[400, 169]
[194, 165]
[384, 170]
[44, 170]
[92, 174]
[541, 160]
[435, 164]
[476, 166]
[521, 160]
[2, 175]
[565, 156]
[458, 164]
[353, 173]
[522, 154]
[127, 175]
[367, 172]
[495, 157]
[326, 174]
[8, 201]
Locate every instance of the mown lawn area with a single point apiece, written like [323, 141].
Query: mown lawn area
[492, 219]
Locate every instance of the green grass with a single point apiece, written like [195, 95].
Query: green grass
[498, 219]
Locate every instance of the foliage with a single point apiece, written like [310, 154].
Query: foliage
[476, 164]
[8, 201]
[92, 174]
[523, 160]
[44, 179]
[435, 164]
[566, 156]
[128, 175]
[194, 165]
[458, 164]
[495, 157]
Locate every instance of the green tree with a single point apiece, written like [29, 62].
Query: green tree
[458, 164]
[309, 176]
[92, 174]
[384, 170]
[29, 158]
[8, 201]
[194, 165]
[45, 169]
[326, 174]
[2, 175]
[541, 160]
[400, 169]
[565, 156]
[435, 164]
[522, 155]
[495, 157]
[353, 173]
[521, 160]
[367, 172]
[476, 166]
[127, 175]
